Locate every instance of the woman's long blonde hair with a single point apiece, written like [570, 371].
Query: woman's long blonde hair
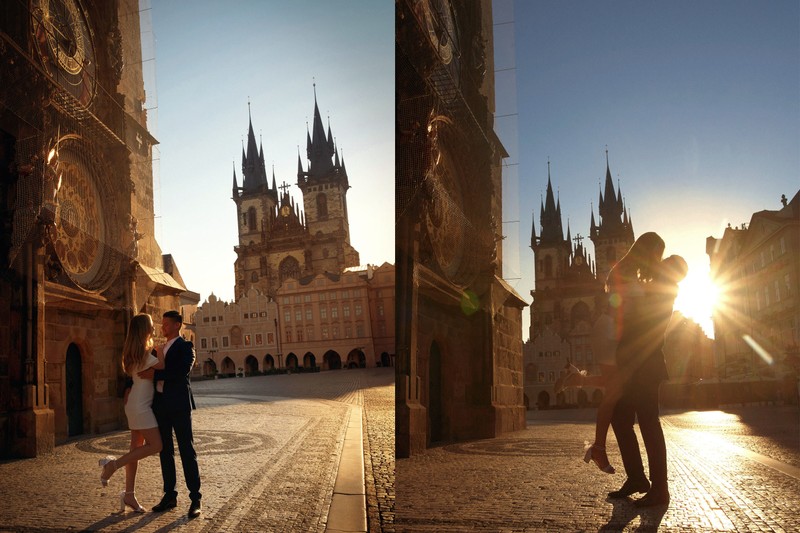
[138, 343]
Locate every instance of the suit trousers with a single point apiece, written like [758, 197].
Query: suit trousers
[179, 421]
[640, 401]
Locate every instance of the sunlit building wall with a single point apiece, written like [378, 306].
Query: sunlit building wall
[757, 267]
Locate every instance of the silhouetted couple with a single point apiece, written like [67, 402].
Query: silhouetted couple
[158, 401]
[628, 339]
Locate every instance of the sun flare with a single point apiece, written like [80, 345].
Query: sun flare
[697, 296]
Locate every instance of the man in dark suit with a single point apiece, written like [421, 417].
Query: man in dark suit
[640, 361]
[172, 404]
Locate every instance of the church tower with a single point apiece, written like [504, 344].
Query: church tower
[280, 239]
[614, 235]
[551, 255]
[324, 186]
[255, 201]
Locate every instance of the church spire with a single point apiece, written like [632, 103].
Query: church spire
[320, 145]
[550, 219]
[235, 184]
[254, 173]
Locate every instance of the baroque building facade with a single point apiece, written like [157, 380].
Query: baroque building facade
[318, 322]
[756, 268]
[78, 257]
[459, 365]
[569, 293]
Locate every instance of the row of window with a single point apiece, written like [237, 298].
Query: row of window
[256, 339]
[323, 313]
[767, 257]
[323, 296]
[772, 293]
[220, 318]
[326, 332]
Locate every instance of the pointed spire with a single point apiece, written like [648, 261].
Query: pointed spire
[235, 184]
[299, 167]
[550, 218]
[254, 172]
[569, 235]
[320, 144]
[533, 229]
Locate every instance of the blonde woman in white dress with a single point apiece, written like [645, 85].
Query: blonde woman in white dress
[145, 437]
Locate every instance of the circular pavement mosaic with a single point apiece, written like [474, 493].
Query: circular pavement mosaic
[206, 442]
[516, 447]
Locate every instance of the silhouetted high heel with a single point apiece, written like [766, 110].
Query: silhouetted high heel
[598, 455]
[135, 506]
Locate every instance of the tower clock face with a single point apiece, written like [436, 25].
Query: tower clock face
[80, 236]
[63, 39]
[446, 219]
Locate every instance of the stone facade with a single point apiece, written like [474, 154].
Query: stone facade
[236, 337]
[459, 339]
[322, 322]
[78, 255]
[277, 239]
[756, 267]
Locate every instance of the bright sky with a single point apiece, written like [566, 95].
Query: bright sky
[210, 58]
[698, 103]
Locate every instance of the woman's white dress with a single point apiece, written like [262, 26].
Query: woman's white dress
[139, 409]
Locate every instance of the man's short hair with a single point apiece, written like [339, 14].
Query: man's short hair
[174, 315]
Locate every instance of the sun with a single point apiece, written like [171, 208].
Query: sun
[697, 296]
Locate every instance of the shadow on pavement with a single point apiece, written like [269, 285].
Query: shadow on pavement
[625, 511]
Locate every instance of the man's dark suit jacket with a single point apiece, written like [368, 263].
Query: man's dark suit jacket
[178, 363]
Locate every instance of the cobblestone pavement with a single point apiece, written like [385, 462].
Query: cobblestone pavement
[268, 449]
[731, 470]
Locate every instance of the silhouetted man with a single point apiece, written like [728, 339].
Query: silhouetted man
[643, 369]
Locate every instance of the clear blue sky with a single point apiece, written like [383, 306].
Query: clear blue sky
[210, 57]
[698, 103]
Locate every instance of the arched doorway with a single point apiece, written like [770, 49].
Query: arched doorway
[435, 415]
[228, 367]
[209, 367]
[583, 398]
[269, 362]
[385, 359]
[309, 361]
[74, 384]
[597, 397]
[543, 400]
[250, 365]
[356, 359]
[331, 360]
[291, 361]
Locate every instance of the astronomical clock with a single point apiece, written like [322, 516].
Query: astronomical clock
[79, 188]
[64, 42]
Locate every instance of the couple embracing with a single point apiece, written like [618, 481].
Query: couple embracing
[158, 401]
[628, 341]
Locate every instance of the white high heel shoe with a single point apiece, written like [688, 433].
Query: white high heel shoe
[103, 462]
[607, 468]
[137, 508]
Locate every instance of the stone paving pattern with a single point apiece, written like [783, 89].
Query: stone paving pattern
[268, 449]
[535, 480]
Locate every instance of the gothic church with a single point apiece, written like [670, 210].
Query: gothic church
[278, 239]
[569, 289]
